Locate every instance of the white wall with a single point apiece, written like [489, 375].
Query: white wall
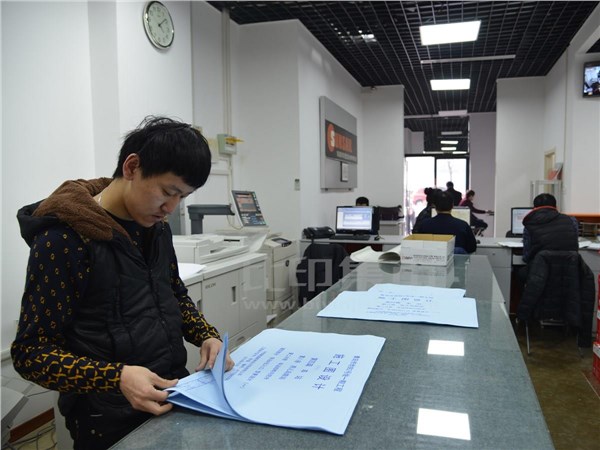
[582, 150]
[383, 145]
[564, 121]
[320, 74]
[48, 135]
[267, 160]
[482, 151]
[519, 137]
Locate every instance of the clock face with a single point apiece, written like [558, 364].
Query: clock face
[158, 25]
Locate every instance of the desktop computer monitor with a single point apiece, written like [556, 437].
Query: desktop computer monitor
[248, 209]
[517, 215]
[355, 220]
[460, 212]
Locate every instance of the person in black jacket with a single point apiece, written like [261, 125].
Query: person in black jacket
[425, 214]
[456, 195]
[445, 223]
[104, 312]
[546, 229]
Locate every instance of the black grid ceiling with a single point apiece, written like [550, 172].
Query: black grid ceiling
[537, 33]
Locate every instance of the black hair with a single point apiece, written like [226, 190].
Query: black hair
[443, 201]
[167, 145]
[362, 201]
[431, 193]
[469, 193]
[449, 184]
[544, 199]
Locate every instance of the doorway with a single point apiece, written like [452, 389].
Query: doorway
[422, 171]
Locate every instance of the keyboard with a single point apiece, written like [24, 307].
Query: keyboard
[350, 237]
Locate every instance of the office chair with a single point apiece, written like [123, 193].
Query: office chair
[390, 212]
[559, 290]
[322, 265]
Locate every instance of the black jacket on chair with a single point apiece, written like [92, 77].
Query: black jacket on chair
[560, 285]
[321, 266]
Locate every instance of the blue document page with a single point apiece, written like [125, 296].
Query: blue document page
[286, 378]
[402, 303]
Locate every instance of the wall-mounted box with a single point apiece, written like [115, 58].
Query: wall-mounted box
[227, 144]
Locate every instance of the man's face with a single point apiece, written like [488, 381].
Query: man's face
[149, 200]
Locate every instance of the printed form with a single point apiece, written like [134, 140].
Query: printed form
[285, 378]
[404, 303]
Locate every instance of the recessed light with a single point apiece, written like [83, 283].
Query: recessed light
[451, 133]
[456, 112]
[468, 59]
[448, 33]
[449, 142]
[449, 85]
[448, 149]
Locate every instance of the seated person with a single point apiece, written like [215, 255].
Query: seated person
[475, 221]
[547, 229]
[426, 213]
[362, 201]
[445, 223]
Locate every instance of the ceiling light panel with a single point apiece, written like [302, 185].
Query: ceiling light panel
[450, 85]
[449, 33]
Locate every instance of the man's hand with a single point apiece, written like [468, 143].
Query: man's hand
[208, 355]
[139, 386]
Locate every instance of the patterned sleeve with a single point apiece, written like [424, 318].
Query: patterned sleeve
[57, 274]
[195, 327]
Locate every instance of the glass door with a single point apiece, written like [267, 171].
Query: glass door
[422, 171]
[452, 169]
[419, 173]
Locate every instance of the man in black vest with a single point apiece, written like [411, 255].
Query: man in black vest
[104, 312]
[547, 229]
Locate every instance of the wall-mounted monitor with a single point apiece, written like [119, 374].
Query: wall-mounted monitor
[517, 215]
[248, 209]
[356, 220]
[591, 79]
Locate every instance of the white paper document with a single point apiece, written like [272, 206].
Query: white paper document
[398, 303]
[186, 270]
[367, 254]
[285, 378]
[511, 244]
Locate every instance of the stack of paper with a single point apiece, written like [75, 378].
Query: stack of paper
[404, 303]
[285, 378]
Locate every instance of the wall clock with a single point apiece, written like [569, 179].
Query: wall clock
[158, 25]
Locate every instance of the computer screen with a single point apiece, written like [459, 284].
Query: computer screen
[248, 209]
[460, 212]
[355, 220]
[517, 215]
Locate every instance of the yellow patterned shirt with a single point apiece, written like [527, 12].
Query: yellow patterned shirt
[57, 275]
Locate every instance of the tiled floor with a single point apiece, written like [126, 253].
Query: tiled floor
[568, 394]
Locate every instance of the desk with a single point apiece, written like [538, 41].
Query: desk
[502, 259]
[490, 383]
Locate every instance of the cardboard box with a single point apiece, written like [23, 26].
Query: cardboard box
[427, 249]
[596, 360]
